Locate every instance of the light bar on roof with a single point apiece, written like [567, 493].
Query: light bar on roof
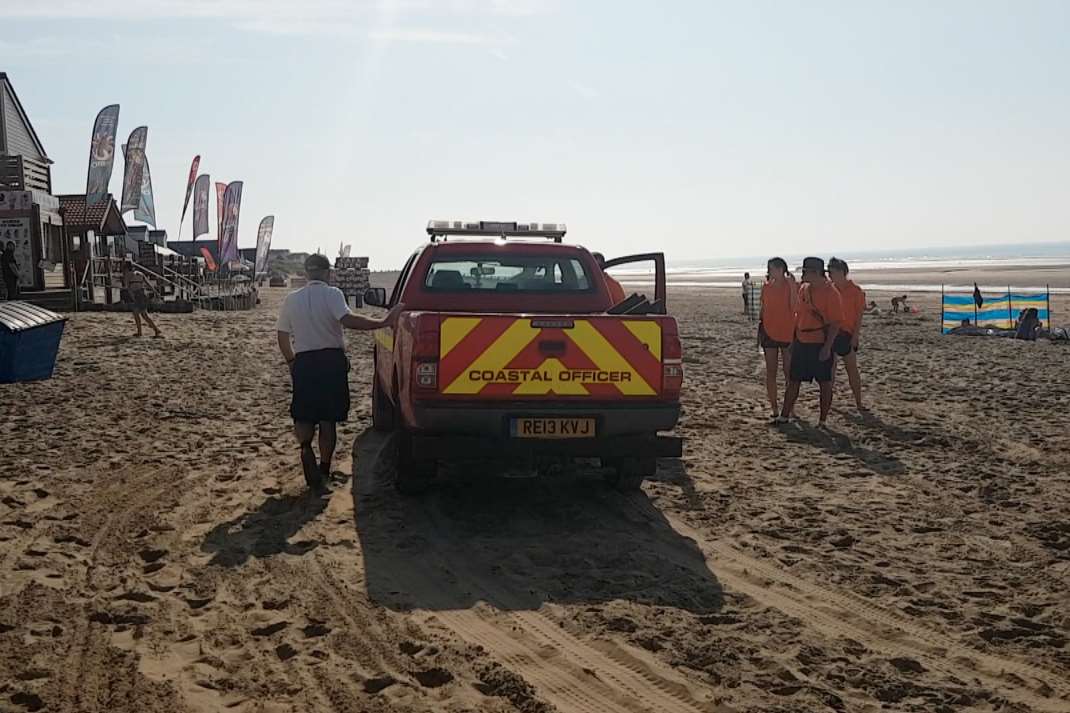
[495, 228]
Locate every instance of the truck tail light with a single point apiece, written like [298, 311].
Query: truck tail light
[672, 362]
[425, 354]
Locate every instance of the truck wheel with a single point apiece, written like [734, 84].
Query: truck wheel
[627, 474]
[382, 410]
[413, 475]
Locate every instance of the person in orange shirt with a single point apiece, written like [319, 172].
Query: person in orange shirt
[818, 316]
[854, 306]
[616, 291]
[776, 326]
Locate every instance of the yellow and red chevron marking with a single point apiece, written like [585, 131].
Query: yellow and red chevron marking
[506, 357]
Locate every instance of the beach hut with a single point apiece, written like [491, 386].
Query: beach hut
[29, 341]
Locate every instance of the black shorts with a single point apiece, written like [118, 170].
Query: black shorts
[842, 346]
[806, 364]
[139, 301]
[767, 342]
[320, 386]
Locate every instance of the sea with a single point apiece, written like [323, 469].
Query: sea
[728, 272]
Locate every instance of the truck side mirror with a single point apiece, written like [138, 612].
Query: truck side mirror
[375, 297]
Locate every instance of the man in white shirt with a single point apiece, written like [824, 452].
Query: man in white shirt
[311, 340]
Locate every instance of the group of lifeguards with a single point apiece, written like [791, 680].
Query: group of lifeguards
[806, 326]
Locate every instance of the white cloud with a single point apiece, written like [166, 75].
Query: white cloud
[584, 90]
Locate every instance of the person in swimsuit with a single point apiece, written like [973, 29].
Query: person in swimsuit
[135, 287]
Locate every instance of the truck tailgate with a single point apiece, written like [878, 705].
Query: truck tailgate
[522, 357]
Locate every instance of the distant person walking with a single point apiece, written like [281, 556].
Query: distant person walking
[854, 306]
[818, 317]
[9, 271]
[312, 342]
[135, 294]
[776, 327]
[746, 292]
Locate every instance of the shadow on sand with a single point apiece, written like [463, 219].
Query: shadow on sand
[265, 531]
[836, 443]
[517, 544]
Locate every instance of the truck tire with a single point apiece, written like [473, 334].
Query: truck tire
[627, 474]
[383, 415]
[413, 475]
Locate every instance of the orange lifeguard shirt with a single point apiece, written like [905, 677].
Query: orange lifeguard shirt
[778, 310]
[819, 306]
[854, 306]
[616, 292]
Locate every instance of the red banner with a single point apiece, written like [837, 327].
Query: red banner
[208, 259]
[189, 190]
[220, 191]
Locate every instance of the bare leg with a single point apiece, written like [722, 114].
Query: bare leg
[786, 358]
[145, 316]
[790, 395]
[137, 322]
[305, 432]
[771, 357]
[328, 439]
[826, 400]
[851, 363]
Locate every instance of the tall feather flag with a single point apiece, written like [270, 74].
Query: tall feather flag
[146, 207]
[134, 168]
[220, 192]
[189, 190]
[101, 154]
[200, 206]
[263, 244]
[231, 211]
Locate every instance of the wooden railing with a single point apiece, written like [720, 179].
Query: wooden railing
[19, 173]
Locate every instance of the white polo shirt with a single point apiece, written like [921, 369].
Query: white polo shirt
[311, 317]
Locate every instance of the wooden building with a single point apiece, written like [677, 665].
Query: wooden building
[97, 237]
[30, 214]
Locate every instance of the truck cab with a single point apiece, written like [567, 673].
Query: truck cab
[510, 343]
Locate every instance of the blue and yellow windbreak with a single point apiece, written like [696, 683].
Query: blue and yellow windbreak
[999, 311]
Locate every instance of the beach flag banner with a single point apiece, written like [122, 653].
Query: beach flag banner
[134, 168]
[220, 191]
[263, 244]
[208, 259]
[146, 208]
[194, 167]
[231, 211]
[993, 310]
[346, 250]
[101, 154]
[200, 206]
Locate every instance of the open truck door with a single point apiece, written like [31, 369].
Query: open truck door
[638, 303]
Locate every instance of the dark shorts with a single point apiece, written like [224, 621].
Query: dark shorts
[806, 364]
[139, 301]
[842, 346]
[320, 386]
[767, 342]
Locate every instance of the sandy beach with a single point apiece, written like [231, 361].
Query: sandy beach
[158, 551]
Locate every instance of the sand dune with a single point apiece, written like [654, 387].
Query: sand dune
[157, 551]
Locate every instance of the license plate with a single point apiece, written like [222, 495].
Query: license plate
[552, 427]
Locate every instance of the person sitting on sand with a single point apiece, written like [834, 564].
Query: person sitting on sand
[776, 326]
[846, 345]
[616, 291]
[818, 316]
[134, 289]
[311, 340]
[1028, 325]
[872, 308]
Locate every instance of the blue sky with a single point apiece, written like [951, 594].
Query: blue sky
[706, 129]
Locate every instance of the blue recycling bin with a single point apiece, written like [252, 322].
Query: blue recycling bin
[29, 341]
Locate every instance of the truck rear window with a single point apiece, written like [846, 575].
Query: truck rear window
[519, 273]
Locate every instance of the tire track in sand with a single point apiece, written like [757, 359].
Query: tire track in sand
[841, 614]
[573, 675]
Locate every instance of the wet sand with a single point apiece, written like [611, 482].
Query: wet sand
[158, 552]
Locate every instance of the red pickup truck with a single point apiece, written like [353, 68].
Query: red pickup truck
[511, 344]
